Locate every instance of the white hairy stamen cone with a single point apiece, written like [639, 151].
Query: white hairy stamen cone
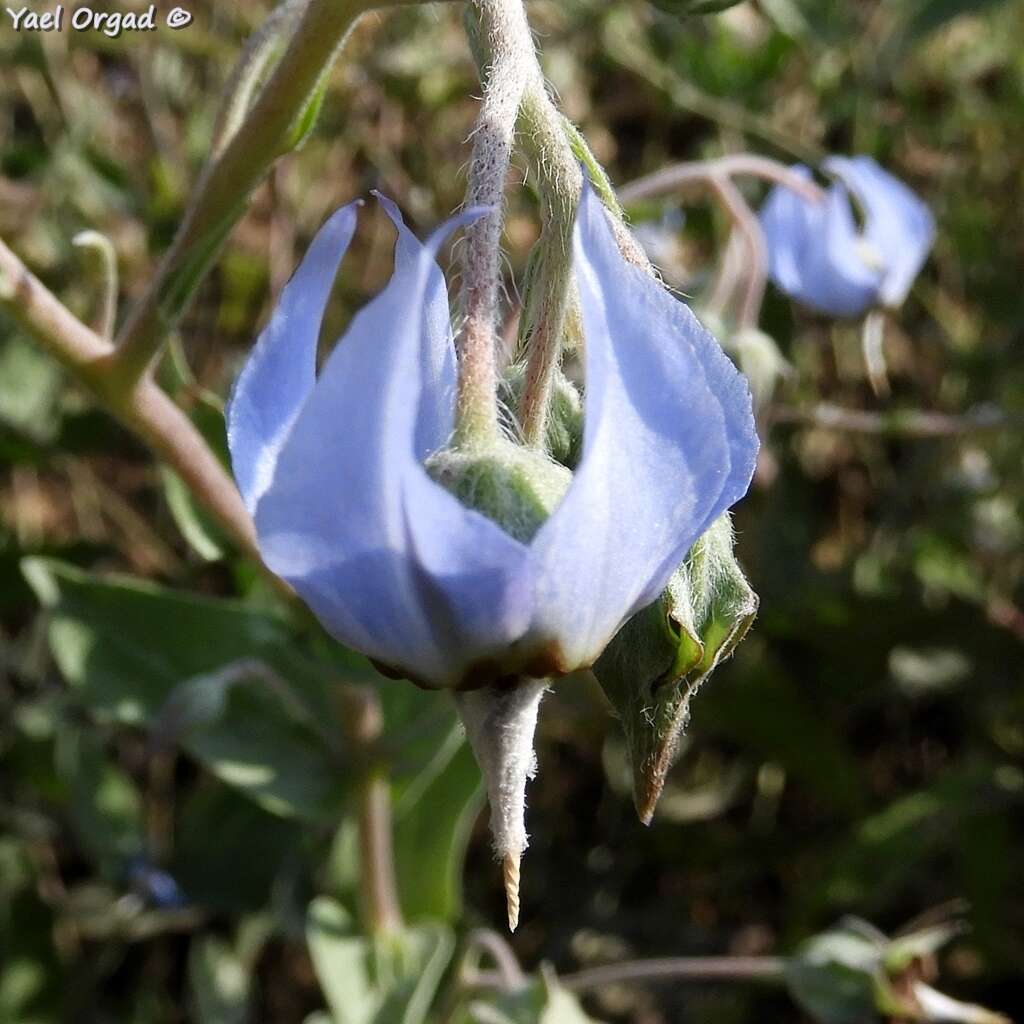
[500, 723]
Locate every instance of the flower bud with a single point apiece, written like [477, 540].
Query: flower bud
[564, 438]
[659, 658]
[762, 362]
[515, 487]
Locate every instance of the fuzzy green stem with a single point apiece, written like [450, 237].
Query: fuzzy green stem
[256, 57]
[560, 183]
[503, 39]
[222, 193]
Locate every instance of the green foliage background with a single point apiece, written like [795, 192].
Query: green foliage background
[862, 753]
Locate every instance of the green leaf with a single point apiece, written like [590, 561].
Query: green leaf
[430, 839]
[381, 980]
[219, 982]
[541, 1001]
[30, 383]
[421, 735]
[836, 977]
[126, 646]
[218, 828]
[104, 804]
[194, 524]
[659, 659]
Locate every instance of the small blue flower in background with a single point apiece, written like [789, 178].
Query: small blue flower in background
[333, 467]
[819, 255]
[155, 886]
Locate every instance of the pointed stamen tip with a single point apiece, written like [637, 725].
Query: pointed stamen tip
[510, 873]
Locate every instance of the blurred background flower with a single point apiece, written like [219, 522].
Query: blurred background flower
[840, 259]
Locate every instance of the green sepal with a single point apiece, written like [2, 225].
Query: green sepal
[660, 657]
[564, 439]
[516, 487]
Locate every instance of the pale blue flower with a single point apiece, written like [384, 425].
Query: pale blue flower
[332, 467]
[819, 255]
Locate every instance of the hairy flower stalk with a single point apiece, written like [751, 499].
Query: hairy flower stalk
[504, 28]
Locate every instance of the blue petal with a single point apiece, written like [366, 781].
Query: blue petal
[437, 410]
[669, 443]
[813, 251]
[389, 561]
[837, 279]
[898, 225]
[787, 221]
[281, 370]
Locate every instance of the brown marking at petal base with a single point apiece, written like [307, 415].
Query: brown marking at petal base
[388, 671]
[394, 672]
[546, 663]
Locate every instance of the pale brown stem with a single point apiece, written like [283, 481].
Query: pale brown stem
[364, 724]
[747, 224]
[505, 36]
[145, 410]
[681, 968]
[669, 179]
[910, 423]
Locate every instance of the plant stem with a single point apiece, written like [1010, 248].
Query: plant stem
[749, 226]
[561, 181]
[223, 190]
[669, 179]
[104, 260]
[682, 968]
[145, 409]
[364, 723]
[256, 56]
[730, 272]
[718, 174]
[504, 38]
[550, 141]
[910, 423]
